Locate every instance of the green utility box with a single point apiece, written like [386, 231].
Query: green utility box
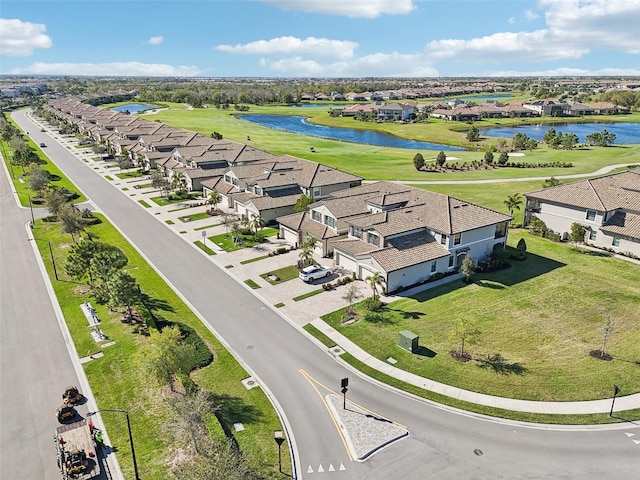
[408, 340]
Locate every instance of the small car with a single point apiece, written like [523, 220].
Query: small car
[42, 144]
[314, 272]
[66, 412]
[42, 130]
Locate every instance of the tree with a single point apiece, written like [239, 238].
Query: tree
[522, 245]
[307, 248]
[71, 220]
[550, 137]
[214, 199]
[122, 290]
[467, 268]
[106, 262]
[54, 201]
[38, 179]
[351, 295]
[577, 234]
[531, 144]
[466, 333]
[374, 281]
[302, 204]
[513, 202]
[569, 140]
[488, 157]
[519, 141]
[441, 158]
[607, 332]
[256, 224]
[189, 424]
[227, 221]
[551, 182]
[473, 134]
[159, 182]
[80, 258]
[164, 355]
[179, 182]
[503, 158]
[418, 161]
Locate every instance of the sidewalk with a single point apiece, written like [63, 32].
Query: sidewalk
[560, 408]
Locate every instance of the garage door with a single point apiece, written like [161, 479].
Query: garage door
[289, 236]
[346, 262]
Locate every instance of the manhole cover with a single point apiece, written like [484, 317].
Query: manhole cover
[250, 347]
[478, 452]
[337, 350]
[250, 382]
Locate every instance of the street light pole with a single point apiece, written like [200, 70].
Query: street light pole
[33, 220]
[53, 261]
[278, 436]
[133, 450]
[616, 391]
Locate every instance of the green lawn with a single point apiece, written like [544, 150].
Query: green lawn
[171, 199]
[252, 284]
[225, 241]
[542, 316]
[379, 163]
[130, 174]
[281, 275]
[115, 379]
[307, 295]
[144, 203]
[204, 248]
[194, 216]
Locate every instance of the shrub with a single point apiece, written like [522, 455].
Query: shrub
[372, 305]
[522, 245]
[520, 256]
[281, 250]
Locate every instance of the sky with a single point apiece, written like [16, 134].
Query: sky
[320, 38]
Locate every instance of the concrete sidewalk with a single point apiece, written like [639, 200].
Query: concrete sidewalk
[628, 402]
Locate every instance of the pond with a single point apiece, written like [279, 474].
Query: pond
[625, 132]
[300, 125]
[484, 98]
[133, 108]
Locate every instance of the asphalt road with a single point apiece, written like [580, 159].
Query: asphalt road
[443, 443]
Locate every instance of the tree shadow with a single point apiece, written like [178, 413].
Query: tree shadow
[491, 285]
[406, 315]
[230, 410]
[499, 364]
[378, 318]
[154, 304]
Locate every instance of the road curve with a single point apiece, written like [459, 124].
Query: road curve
[444, 443]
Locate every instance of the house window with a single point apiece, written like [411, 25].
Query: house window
[434, 265]
[501, 230]
[592, 235]
[356, 232]
[591, 215]
[258, 190]
[227, 178]
[329, 221]
[443, 239]
[616, 241]
[451, 260]
[316, 215]
[316, 192]
[457, 239]
[373, 239]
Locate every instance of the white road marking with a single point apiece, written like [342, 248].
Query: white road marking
[629, 434]
[320, 469]
[310, 470]
[331, 469]
[342, 466]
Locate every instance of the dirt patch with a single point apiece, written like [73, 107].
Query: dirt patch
[81, 290]
[461, 357]
[600, 355]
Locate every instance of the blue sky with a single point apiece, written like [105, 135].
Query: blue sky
[320, 38]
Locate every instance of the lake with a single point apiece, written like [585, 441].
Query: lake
[133, 108]
[484, 98]
[300, 125]
[625, 132]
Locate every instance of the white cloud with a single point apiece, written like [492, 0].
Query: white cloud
[156, 40]
[569, 72]
[20, 39]
[511, 20]
[530, 15]
[349, 8]
[124, 69]
[377, 65]
[292, 46]
[574, 28]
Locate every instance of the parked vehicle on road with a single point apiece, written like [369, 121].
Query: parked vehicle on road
[66, 412]
[42, 144]
[76, 451]
[71, 395]
[314, 272]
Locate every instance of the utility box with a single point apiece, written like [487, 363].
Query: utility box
[408, 340]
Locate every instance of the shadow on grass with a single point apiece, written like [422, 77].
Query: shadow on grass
[232, 410]
[425, 352]
[491, 285]
[154, 304]
[406, 315]
[499, 364]
[378, 318]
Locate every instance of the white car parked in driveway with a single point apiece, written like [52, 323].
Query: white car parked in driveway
[314, 272]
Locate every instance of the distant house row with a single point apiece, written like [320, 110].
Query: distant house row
[405, 234]
[608, 207]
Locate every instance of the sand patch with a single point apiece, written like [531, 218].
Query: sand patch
[516, 154]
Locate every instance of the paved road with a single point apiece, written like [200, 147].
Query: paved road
[442, 440]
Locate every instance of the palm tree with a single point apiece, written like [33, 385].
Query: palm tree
[179, 182]
[513, 202]
[214, 199]
[375, 280]
[256, 224]
[306, 250]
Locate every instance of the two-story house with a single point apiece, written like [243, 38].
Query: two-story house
[608, 207]
[404, 233]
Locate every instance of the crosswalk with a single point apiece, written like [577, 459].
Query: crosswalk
[329, 468]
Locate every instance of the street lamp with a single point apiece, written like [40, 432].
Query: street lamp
[278, 436]
[133, 451]
[53, 262]
[33, 220]
[616, 391]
